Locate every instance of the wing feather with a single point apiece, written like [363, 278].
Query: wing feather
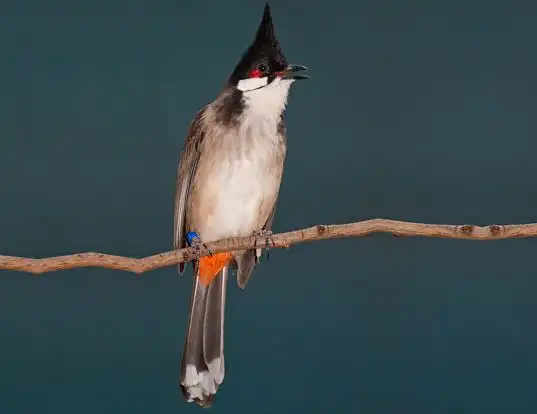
[185, 174]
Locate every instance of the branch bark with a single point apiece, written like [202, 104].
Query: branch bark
[281, 240]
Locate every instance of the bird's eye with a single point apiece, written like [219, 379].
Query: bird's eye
[263, 68]
[260, 71]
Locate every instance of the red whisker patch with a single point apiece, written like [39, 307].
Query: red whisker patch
[256, 73]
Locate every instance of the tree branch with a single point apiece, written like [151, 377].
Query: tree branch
[319, 232]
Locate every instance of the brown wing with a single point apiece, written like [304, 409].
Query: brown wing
[185, 173]
[247, 261]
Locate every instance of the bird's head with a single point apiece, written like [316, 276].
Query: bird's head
[263, 69]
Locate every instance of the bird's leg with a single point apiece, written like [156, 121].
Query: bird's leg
[193, 240]
[267, 234]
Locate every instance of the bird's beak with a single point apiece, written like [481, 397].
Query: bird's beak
[290, 72]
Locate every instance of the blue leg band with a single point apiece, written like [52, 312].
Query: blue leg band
[191, 236]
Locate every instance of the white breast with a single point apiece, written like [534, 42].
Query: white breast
[244, 182]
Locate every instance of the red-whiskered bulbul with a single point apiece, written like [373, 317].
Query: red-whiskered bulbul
[227, 186]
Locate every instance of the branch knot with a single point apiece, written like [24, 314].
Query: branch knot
[467, 228]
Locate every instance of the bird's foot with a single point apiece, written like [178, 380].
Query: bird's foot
[193, 240]
[267, 235]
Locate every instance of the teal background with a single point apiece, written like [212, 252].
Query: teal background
[417, 110]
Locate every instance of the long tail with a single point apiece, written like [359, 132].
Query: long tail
[202, 368]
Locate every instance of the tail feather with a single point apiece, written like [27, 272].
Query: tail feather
[213, 329]
[202, 368]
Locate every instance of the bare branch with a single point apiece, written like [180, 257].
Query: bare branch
[319, 232]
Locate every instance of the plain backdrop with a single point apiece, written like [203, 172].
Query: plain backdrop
[416, 110]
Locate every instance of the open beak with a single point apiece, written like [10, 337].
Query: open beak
[291, 72]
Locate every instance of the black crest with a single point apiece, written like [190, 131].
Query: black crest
[265, 49]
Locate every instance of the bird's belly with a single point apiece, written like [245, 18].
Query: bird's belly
[242, 193]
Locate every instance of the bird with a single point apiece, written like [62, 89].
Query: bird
[228, 182]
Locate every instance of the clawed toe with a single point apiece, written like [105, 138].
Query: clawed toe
[267, 235]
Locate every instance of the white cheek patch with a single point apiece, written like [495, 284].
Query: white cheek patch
[250, 84]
